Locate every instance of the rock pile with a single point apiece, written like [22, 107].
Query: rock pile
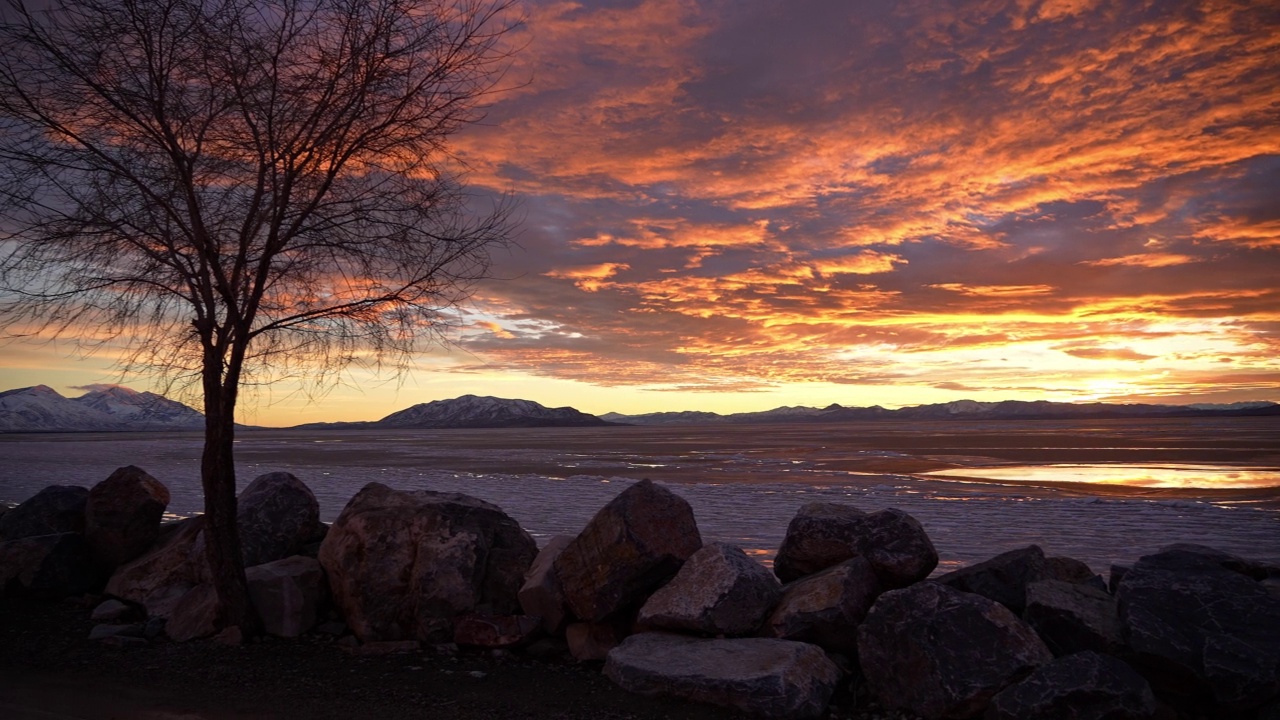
[1187, 632]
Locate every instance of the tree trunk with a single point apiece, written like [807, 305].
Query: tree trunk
[218, 476]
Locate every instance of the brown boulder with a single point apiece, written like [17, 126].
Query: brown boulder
[826, 608]
[287, 594]
[159, 578]
[402, 565]
[823, 534]
[630, 548]
[1072, 617]
[495, 631]
[48, 566]
[942, 653]
[760, 676]
[540, 595]
[1084, 685]
[592, 641]
[1003, 578]
[718, 591]
[55, 509]
[122, 516]
[276, 516]
[194, 615]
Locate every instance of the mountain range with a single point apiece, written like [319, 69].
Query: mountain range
[41, 409]
[111, 409]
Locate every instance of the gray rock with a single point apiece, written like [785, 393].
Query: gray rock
[823, 534]
[541, 595]
[110, 609]
[1067, 569]
[760, 676]
[826, 608]
[1201, 630]
[942, 653]
[718, 591]
[1084, 686]
[287, 594]
[107, 630]
[47, 566]
[276, 515]
[122, 516]
[633, 545]
[1003, 578]
[54, 510]
[1072, 617]
[159, 578]
[402, 565]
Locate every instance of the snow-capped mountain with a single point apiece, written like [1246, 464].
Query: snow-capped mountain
[43, 409]
[471, 411]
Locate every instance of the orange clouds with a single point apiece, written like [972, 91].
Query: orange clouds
[731, 196]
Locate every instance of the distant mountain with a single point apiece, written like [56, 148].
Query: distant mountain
[43, 409]
[957, 410]
[471, 411]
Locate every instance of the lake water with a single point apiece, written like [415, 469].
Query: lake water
[1101, 491]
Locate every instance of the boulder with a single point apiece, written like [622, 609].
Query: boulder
[287, 594]
[760, 676]
[160, 577]
[122, 516]
[194, 615]
[1071, 570]
[540, 595]
[826, 608]
[1084, 685]
[1201, 630]
[276, 516]
[823, 534]
[718, 591]
[47, 566]
[109, 610]
[592, 641]
[1003, 578]
[1073, 617]
[496, 631]
[942, 653]
[633, 545]
[54, 510]
[402, 565]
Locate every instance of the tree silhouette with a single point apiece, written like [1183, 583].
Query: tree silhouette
[241, 188]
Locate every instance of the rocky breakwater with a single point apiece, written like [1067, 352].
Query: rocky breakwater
[850, 609]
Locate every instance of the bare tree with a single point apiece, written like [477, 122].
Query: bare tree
[229, 187]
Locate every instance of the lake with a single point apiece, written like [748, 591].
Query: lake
[1103, 491]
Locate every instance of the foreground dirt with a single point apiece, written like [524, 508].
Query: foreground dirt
[49, 670]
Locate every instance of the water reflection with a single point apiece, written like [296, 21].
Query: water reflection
[1131, 475]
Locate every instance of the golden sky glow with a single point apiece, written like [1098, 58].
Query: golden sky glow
[735, 206]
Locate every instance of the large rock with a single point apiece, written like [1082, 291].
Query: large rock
[823, 534]
[540, 595]
[1200, 629]
[276, 516]
[287, 594]
[826, 608]
[942, 653]
[630, 548]
[1073, 617]
[122, 516]
[54, 510]
[1083, 686]
[49, 566]
[402, 565]
[760, 676]
[719, 591]
[1003, 578]
[159, 578]
[194, 615]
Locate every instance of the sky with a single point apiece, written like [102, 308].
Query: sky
[735, 205]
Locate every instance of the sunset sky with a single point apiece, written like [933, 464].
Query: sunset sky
[734, 205]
